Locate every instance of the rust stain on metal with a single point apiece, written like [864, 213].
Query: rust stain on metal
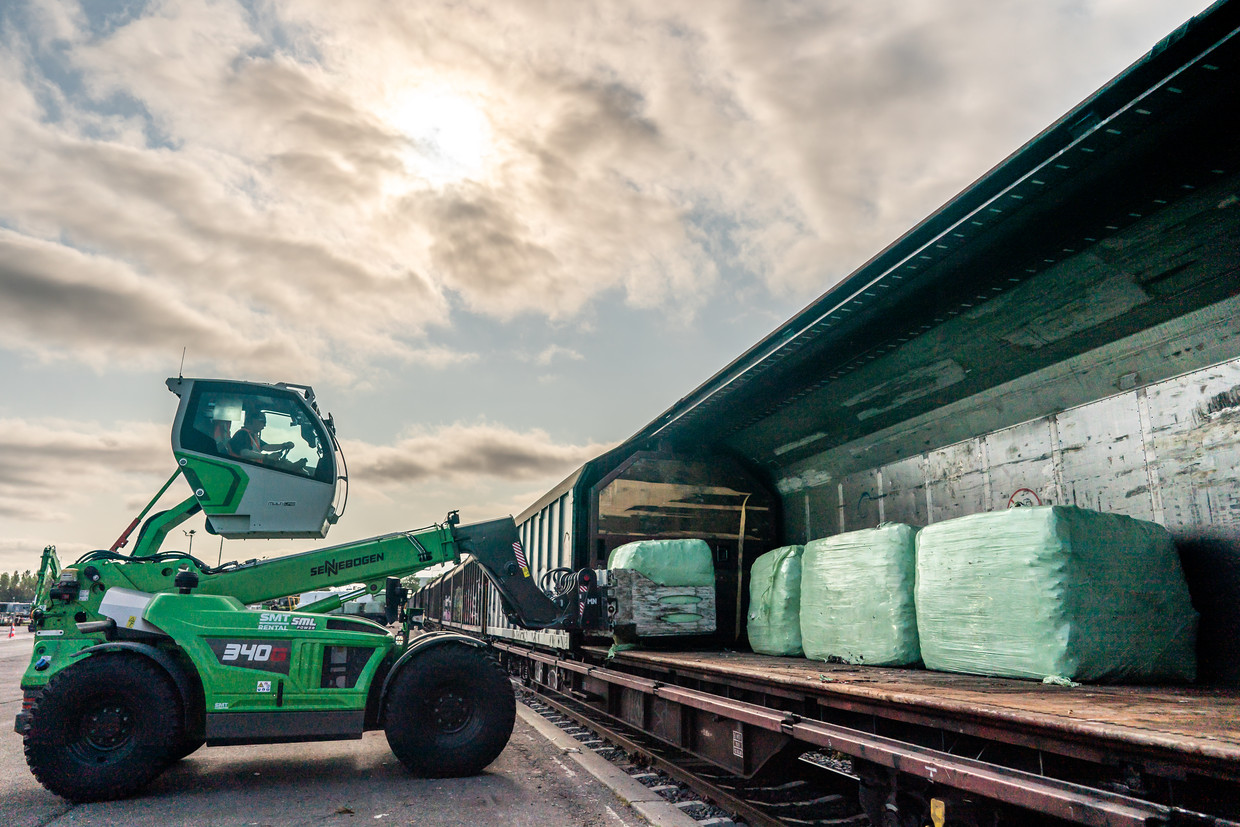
[1225, 403]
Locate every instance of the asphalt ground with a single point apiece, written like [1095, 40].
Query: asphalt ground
[534, 782]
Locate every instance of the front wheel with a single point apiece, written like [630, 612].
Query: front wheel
[103, 728]
[449, 712]
[186, 747]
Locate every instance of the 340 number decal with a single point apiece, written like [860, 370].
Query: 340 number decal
[247, 651]
[268, 655]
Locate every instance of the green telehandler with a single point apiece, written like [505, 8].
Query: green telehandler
[140, 658]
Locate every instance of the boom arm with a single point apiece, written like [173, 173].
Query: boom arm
[495, 544]
[366, 561]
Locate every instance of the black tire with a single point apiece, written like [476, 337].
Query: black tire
[449, 712]
[186, 748]
[104, 728]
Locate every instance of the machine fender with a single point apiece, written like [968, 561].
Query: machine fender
[165, 660]
[421, 644]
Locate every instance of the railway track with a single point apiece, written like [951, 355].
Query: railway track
[809, 791]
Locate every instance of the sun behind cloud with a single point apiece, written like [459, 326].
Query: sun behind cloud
[450, 137]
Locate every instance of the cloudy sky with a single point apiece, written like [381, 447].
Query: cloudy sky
[496, 237]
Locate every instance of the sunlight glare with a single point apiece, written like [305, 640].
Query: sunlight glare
[449, 136]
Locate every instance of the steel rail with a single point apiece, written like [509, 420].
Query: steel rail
[1051, 796]
[717, 795]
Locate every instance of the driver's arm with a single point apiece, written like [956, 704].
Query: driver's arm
[283, 446]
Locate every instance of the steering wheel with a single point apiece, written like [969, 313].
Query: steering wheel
[299, 465]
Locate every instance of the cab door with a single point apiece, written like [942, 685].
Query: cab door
[258, 458]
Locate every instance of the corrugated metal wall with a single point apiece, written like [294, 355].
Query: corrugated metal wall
[1167, 452]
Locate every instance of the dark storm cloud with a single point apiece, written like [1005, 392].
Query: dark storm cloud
[53, 465]
[483, 243]
[601, 117]
[49, 290]
[462, 452]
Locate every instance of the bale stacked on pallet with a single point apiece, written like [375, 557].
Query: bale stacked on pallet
[1054, 592]
[663, 587]
[774, 623]
[667, 562]
[857, 597]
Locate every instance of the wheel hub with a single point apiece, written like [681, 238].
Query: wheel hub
[451, 711]
[107, 727]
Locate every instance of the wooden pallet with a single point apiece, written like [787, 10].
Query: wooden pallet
[651, 610]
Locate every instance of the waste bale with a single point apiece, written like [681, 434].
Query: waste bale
[774, 622]
[667, 562]
[857, 597]
[1054, 592]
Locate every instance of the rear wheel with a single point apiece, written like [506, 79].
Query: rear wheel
[449, 712]
[104, 728]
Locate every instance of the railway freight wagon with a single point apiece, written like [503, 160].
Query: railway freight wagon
[649, 494]
[456, 599]
[1066, 331]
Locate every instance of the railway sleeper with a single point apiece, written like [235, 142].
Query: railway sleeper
[757, 801]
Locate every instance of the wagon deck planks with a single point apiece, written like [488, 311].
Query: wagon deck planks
[1192, 723]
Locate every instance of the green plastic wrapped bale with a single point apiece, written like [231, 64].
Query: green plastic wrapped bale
[1054, 592]
[774, 622]
[857, 597]
[667, 562]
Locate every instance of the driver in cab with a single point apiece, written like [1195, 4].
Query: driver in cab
[247, 443]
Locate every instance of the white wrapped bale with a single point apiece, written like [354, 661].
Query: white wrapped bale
[857, 597]
[1054, 592]
[774, 622]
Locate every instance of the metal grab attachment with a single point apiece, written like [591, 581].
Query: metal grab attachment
[496, 545]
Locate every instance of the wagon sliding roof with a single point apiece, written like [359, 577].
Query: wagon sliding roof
[1118, 223]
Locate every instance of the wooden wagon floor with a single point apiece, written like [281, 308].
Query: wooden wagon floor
[1186, 719]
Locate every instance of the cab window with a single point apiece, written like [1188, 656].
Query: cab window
[254, 426]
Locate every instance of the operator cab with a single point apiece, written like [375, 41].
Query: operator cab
[260, 459]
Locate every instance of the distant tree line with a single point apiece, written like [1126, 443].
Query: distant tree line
[17, 587]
